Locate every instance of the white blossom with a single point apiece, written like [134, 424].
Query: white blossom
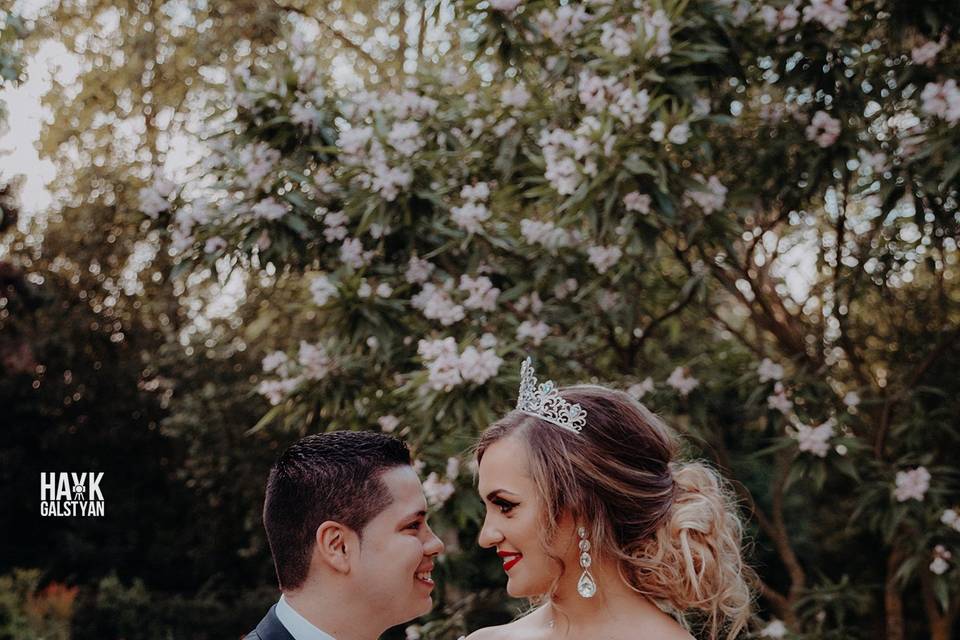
[568, 20]
[276, 390]
[275, 361]
[418, 270]
[436, 491]
[469, 216]
[779, 400]
[544, 233]
[505, 5]
[774, 629]
[314, 360]
[384, 290]
[816, 440]
[258, 160]
[535, 331]
[306, 116]
[565, 288]
[453, 468]
[640, 389]
[604, 257]
[214, 245]
[769, 370]
[636, 201]
[269, 209]
[851, 399]
[388, 423]
[941, 555]
[912, 484]
[322, 290]
[405, 138]
[482, 294]
[436, 304]
[712, 197]
[479, 192]
[478, 366]
[679, 134]
[515, 96]
[682, 382]
[152, 203]
[352, 253]
[951, 518]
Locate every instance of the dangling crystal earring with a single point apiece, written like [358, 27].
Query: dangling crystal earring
[586, 586]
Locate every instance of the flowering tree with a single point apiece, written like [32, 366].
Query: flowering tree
[744, 214]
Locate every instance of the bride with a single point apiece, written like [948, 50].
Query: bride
[600, 525]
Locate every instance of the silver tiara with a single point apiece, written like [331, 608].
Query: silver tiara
[544, 402]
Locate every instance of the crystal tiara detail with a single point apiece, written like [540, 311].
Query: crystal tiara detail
[544, 402]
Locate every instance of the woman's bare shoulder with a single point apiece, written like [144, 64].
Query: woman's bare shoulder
[520, 629]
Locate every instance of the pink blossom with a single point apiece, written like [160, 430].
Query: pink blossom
[912, 484]
[832, 14]
[927, 52]
[823, 129]
[258, 160]
[565, 288]
[941, 555]
[214, 245]
[942, 100]
[780, 19]
[276, 361]
[405, 138]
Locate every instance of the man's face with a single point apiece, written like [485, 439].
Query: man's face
[397, 552]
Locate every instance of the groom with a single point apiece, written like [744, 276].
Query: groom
[347, 525]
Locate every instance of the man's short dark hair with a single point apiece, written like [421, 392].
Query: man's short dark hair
[332, 476]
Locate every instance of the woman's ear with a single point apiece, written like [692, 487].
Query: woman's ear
[335, 546]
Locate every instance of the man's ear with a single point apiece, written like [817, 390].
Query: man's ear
[336, 546]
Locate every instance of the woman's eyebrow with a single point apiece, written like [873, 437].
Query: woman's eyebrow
[493, 494]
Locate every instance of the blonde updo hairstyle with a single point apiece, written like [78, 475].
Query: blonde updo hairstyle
[670, 525]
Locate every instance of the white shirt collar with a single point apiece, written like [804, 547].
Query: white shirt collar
[298, 626]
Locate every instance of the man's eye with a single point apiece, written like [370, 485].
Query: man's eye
[415, 525]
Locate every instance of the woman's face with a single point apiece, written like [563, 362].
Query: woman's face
[512, 521]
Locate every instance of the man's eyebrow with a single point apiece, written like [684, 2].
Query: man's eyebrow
[422, 513]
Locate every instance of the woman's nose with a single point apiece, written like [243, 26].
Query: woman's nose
[489, 535]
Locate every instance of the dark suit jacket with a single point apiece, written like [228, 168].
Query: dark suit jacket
[270, 628]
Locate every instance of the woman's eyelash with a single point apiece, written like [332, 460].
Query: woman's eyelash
[504, 505]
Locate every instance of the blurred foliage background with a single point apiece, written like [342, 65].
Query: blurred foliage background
[278, 218]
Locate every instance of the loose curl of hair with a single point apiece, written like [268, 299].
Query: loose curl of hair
[671, 526]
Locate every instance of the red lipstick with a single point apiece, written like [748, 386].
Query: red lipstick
[509, 559]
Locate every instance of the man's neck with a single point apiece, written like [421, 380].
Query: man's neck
[344, 618]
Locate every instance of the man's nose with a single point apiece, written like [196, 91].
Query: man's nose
[434, 545]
